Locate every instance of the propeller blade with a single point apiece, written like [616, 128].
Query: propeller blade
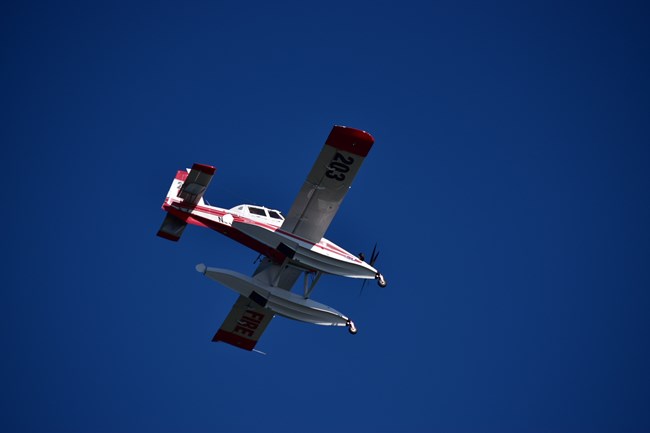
[373, 258]
[374, 255]
[362, 286]
[372, 262]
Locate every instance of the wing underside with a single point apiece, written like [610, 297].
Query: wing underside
[244, 324]
[248, 318]
[327, 183]
[309, 217]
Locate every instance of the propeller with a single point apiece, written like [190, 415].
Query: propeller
[374, 255]
[373, 258]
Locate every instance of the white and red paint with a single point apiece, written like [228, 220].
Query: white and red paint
[233, 224]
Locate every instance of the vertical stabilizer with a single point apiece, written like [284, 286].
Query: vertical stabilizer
[176, 185]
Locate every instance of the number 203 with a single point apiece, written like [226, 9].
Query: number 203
[339, 166]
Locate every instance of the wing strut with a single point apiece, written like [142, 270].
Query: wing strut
[310, 287]
[282, 268]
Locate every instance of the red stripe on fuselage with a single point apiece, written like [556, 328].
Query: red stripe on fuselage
[192, 218]
[230, 232]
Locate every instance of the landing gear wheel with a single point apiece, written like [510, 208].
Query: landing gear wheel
[381, 281]
[351, 328]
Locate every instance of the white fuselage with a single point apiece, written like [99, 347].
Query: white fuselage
[262, 232]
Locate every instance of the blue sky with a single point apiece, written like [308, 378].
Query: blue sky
[507, 188]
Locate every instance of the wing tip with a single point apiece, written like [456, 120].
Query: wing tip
[168, 236]
[207, 169]
[350, 140]
[234, 340]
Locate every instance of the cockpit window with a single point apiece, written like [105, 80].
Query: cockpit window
[274, 214]
[256, 211]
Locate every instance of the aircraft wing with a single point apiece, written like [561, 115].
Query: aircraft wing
[245, 324]
[248, 318]
[327, 183]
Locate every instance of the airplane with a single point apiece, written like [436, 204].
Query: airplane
[290, 247]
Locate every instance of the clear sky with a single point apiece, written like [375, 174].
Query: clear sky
[507, 188]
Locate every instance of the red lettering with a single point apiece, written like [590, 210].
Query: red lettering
[243, 331]
[255, 316]
[248, 323]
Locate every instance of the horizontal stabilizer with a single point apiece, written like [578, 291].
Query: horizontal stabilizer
[172, 228]
[197, 181]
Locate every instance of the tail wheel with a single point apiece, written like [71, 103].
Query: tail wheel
[381, 281]
[351, 328]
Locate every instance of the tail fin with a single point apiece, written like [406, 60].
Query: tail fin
[177, 184]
